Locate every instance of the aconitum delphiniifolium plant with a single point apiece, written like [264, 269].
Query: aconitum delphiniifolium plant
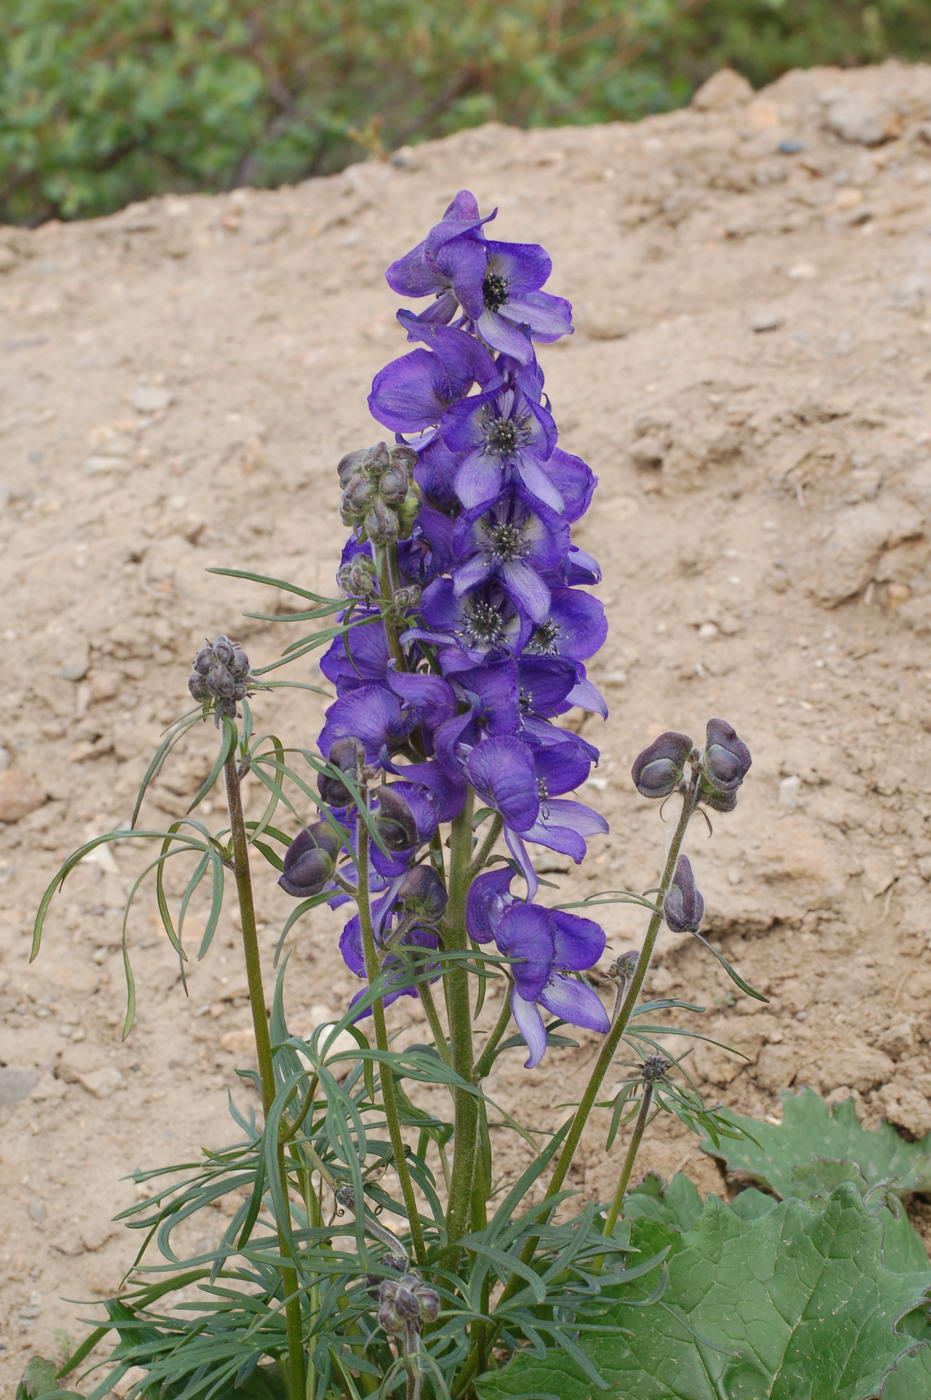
[473, 625]
[373, 1246]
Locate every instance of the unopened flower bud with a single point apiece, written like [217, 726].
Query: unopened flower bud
[658, 769]
[423, 894]
[718, 801]
[309, 861]
[409, 597]
[380, 523]
[725, 759]
[654, 1067]
[220, 677]
[395, 821]
[625, 965]
[348, 756]
[359, 496]
[683, 906]
[406, 1303]
[393, 485]
[365, 462]
[357, 577]
[408, 511]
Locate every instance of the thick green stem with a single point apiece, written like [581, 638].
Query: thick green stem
[456, 939]
[633, 1148]
[619, 1026]
[239, 844]
[392, 1118]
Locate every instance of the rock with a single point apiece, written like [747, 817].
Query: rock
[766, 321]
[789, 791]
[75, 661]
[101, 1083]
[723, 89]
[601, 322]
[20, 794]
[150, 398]
[905, 1107]
[847, 561]
[859, 1066]
[803, 272]
[861, 119]
[16, 1084]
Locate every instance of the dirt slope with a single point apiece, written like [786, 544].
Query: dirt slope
[749, 379]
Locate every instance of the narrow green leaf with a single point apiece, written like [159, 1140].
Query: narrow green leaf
[732, 974]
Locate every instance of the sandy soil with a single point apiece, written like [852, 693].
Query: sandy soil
[749, 379]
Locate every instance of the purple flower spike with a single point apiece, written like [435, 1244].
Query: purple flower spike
[515, 310]
[683, 907]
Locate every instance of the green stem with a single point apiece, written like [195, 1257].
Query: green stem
[456, 982]
[633, 1148]
[385, 562]
[613, 1038]
[239, 844]
[487, 1057]
[372, 969]
[487, 846]
[433, 1018]
[608, 1048]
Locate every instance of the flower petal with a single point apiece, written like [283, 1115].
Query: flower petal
[574, 1002]
[530, 1024]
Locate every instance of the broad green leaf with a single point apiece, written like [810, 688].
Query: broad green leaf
[677, 1204]
[911, 1379]
[801, 1156]
[798, 1303]
[39, 1383]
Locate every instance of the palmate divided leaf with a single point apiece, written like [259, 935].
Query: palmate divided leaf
[818, 1144]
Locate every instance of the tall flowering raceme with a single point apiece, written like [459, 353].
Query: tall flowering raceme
[469, 627]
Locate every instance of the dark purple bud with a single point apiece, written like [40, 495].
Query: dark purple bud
[395, 822]
[406, 597]
[309, 861]
[380, 523]
[393, 485]
[220, 676]
[358, 497]
[683, 906]
[718, 801]
[366, 462]
[726, 759]
[657, 771]
[423, 894]
[348, 756]
[625, 964]
[653, 1068]
[358, 577]
[406, 1302]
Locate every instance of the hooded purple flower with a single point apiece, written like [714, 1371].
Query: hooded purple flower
[546, 944]
[514, 542]
[450, 263]
[498, 437]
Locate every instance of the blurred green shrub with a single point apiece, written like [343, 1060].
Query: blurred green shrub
[106, 101]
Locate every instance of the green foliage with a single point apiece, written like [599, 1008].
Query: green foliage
[802, 1301]
[39, 1383]
[101, 104]
[816, 1146]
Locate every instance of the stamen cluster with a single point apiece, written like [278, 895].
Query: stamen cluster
[469, 623]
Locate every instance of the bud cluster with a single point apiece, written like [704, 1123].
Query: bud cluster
[380, 498]
[405, 1304]
[220, 677]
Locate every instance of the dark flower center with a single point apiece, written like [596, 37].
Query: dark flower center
[494, 291]
[543, 638]
[501, 436]
[507, 542]
[482, 623]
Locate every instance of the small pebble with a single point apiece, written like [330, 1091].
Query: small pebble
[789, 791]
[767, 321]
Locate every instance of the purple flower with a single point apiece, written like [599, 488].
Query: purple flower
[544, 945]
[497, 437]
[575, 626]
[414, 392]
[726, 759]
[515, 311]
[395, 965]
[658, 770]
[479, 626]
[514, 542]
[309, 861]
[450, 263]
[683, 907]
